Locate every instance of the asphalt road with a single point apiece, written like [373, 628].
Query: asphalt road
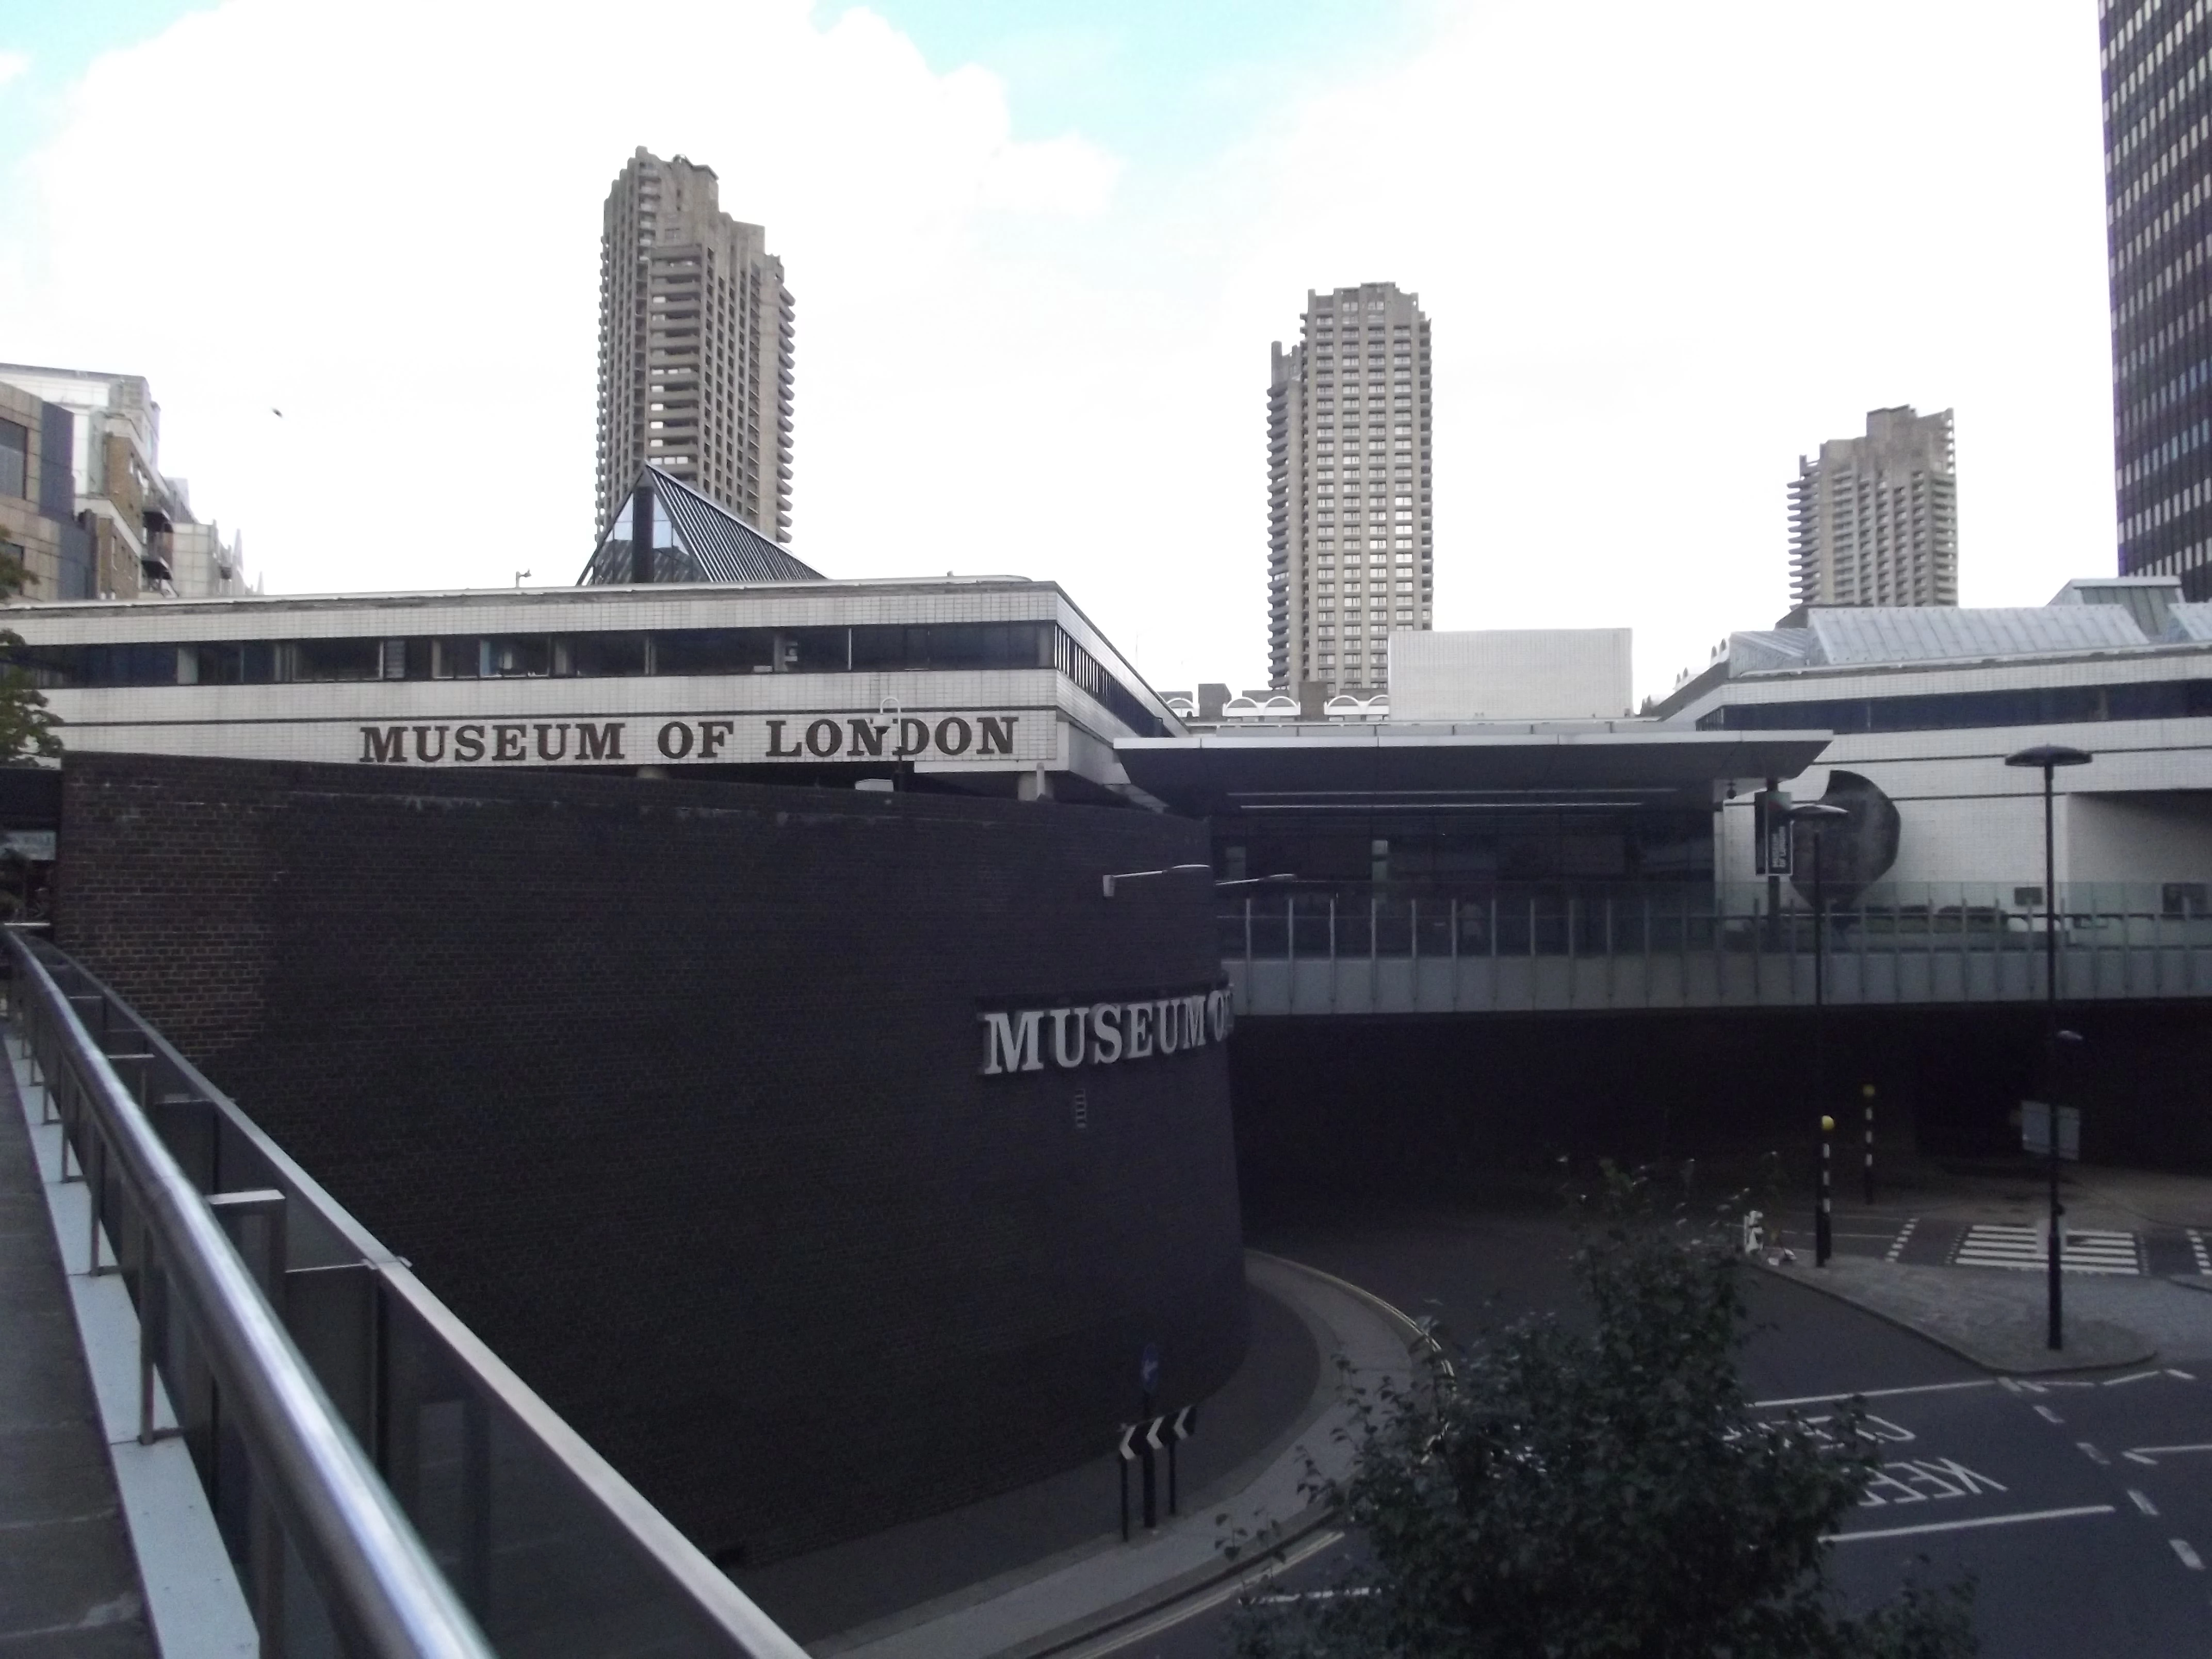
[2081, 1509]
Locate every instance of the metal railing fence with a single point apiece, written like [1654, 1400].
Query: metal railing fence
[384, 1484]
[1521, 946]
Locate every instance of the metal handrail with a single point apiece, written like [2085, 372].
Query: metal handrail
[672, 1581]
[383, 1592]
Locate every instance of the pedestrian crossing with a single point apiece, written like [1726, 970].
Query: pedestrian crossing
[2084, 1250]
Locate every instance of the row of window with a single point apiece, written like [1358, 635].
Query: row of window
[687, 651]
[2043, 705]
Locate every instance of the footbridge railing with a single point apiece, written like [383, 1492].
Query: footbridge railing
[383, 1485]
[1549, 947]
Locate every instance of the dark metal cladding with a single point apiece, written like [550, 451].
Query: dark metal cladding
[2158, 178]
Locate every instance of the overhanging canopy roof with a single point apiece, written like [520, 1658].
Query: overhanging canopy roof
[1320, 769]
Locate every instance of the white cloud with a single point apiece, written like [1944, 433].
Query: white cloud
[13, 65]
[1665, 249]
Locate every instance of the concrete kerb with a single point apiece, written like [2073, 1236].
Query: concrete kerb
[2095, 1345]
[1089, 1596]
[1287, 1535]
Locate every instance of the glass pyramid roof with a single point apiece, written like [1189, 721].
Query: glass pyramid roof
[666, 532]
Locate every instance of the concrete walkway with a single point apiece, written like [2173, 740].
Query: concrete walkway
[1074, 1599]
[68, 1583]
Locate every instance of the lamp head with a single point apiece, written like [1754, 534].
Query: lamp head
[2050, 754]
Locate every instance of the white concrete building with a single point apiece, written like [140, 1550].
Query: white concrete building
[1925, 704]
[996, 685]
[1511, 674]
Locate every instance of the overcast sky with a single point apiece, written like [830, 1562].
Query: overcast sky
[1039, 251]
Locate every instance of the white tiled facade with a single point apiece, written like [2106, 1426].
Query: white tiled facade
[1033, 721]
[1350, 556]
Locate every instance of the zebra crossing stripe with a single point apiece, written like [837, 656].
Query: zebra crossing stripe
[1896, 1245]
[1990, 1244]
[2196, 1249]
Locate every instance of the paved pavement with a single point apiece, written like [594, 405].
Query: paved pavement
[1078, 1586]
[68, 1583]
[1961, 1258]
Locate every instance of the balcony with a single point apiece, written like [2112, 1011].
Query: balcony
[1517, 948]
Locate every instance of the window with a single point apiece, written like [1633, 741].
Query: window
[321, 660]
[2186, 898]
[15, 458]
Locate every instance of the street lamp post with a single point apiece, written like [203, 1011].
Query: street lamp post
[2050, 757]
[1819, 814]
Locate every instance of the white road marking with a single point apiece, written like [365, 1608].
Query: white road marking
[1897, 1248]
[1879, 1393]
[1961, 1526]
[1992, 1244]
[2093, 1455]
[2196, 1249]
[2184, 1375]
[2138, 1376]
[2142, 1502]
[2150, 1454]
[2048, 1415]
[2190, 1559]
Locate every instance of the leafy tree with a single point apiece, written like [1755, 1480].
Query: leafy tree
[1562, 1494]
[26, 726]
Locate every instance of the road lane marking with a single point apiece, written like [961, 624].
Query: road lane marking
[1897, 1250]
[2139, 1376]
[2190, 1559]
[2196, 1249]
[2150, 1454]
[1962, 1526]
[2142, 1503]
[2093, 1455]
[1876, 1394]
[2048, 1415]
[2185, 1376]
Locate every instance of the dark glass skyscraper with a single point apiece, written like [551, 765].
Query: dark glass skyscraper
[2157, 213]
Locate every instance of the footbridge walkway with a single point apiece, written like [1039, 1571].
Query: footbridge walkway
[310, 1453]
[1545, 948]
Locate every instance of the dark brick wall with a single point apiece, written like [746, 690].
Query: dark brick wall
[671, 1090]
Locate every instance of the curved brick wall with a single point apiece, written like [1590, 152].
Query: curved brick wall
[675, 1092]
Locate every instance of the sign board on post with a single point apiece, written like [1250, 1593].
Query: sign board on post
[1769, 813]
[2035, 1130]
[1148, 1369]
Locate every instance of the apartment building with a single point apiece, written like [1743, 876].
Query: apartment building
[1350, 547]
[695, 335]
[1874, 520]
[144, 539]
